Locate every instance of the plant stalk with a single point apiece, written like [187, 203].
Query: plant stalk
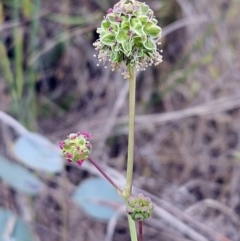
[104, 174]
[132, 93]
[128, 188]
[132, 228]
[140, 231]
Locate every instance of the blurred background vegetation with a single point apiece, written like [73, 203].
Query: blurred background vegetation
[187, 125]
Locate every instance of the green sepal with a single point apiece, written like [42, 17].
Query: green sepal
[137, 41]
[127, 48]
[154, 31]
[113, 18]
[144, 9]
[125, 25]
[143, 19]
[116, 57]
[128, 61]
[150, 45]
[105, 25]
[128, 8]
[134, 22]
[151, 29]
[122, 36]
[148, 53]
[139, 30]
[108, 39]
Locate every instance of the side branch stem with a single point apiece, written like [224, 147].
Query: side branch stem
[104, 173]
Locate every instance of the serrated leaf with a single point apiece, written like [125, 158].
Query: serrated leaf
[108, 39]
[19, 178]
[38, 153]
[20, 231]
[97, 198]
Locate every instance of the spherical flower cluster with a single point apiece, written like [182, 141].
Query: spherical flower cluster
[129, 34]
[139, 207]
[76, 148]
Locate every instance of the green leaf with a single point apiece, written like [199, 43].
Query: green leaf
[20, 231]
[108, 39]
[97, 198]
[38, 153]
[19, 178]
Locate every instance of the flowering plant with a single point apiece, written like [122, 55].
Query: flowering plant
[128, 35]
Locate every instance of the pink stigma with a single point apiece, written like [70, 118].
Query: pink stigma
[86, 134]
[61, 144]
[80, 162]
[68, 155]
[110, 10]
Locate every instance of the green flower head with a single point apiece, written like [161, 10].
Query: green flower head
[129, 34]
[139, 207]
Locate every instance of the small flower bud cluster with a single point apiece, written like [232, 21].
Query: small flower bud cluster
[76, 148]
[129, 34]
[139, 207]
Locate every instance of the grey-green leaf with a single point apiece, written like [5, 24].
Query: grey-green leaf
[19, 178]
[97, 198]
[20, 231]
[38, 153]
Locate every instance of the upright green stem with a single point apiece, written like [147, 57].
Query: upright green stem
[132, 91]
[132, 228]
[128, 189]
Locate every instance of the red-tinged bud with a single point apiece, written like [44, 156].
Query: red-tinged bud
[76, 148]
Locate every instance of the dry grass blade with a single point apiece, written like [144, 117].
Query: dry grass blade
[209, 203]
